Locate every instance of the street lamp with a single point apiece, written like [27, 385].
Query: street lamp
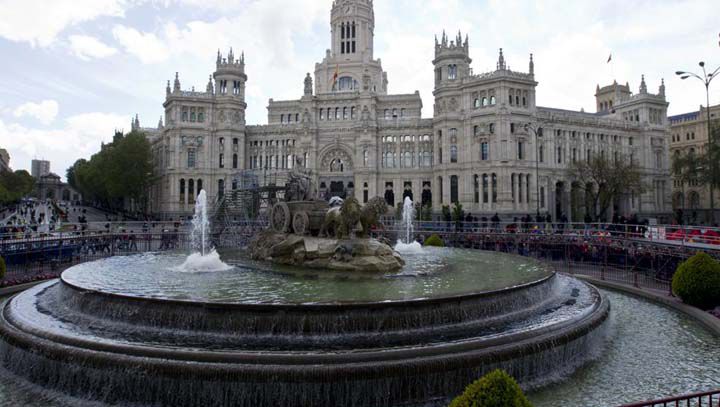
[706, 79]
[538, 132]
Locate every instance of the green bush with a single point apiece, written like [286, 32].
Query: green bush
[496, 389]
[3, 268]
[697, 281]
[434, 241]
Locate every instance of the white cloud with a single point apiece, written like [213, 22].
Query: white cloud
[145, 46]
[79, 136]
[87, 48]
[44, 112]
[39, 22]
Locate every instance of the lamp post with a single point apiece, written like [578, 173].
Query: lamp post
[538, 132]
[706, 79]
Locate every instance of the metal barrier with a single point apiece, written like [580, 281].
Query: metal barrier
[624, 256]
[707, 399]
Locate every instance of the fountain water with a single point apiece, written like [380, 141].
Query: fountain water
[200, 224]
[205, 259]
[408, 244]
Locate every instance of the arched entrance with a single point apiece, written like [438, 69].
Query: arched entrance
[336, 173]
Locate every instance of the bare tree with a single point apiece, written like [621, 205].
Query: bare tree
[604, 180]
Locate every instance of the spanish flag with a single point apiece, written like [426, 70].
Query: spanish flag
[337, 73]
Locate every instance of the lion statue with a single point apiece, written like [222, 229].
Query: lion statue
[371, 214]
[341, 221]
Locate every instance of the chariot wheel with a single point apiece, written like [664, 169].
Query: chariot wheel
[301, 223]
[280, 217]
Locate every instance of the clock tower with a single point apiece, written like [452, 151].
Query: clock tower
[353, 29]
[348, 65]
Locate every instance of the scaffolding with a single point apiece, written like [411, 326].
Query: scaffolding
[240, 212]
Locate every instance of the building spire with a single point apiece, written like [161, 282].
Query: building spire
[532, 65]
[210, 86]
[501, 61]
[219, 58]
[135, 123]
[662, 88]
[160, 123]
[231, 57]
[643, 85]
[167, 88]
[176, 88]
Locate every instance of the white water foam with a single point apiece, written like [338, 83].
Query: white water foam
[411, 248]
[197, 263]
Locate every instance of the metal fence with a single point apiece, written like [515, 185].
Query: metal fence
[627, 255]
[707, 399]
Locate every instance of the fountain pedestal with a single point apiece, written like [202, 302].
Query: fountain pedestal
[361, 255]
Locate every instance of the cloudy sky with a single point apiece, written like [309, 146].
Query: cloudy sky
[74, 70]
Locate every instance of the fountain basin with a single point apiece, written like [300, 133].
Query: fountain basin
[94, 343]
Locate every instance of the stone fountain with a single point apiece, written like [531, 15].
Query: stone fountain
[134, 331]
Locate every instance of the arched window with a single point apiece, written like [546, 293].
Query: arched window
[486, 188]
[337, 113]
[454, 193]
[492, 101]
[346, 83]
[476, 103]
[322, 114]
[494, 188]
[541, 154]
[235, 161]
[453, 154]
[352, 113]
[345, 113]
[199, 185]
[184, 114]
[182, 190]
[452, 72]
[191, 191]
[366, 158]
[484, 101]
[484, 151]
[491, 128]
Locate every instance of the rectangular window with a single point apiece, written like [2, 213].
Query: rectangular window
[222, 160]
[191, 158]
[484, 151]
[521, 150]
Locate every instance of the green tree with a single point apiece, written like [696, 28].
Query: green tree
[604, 180]
[15, 185]
[446, 215]
[458, 214]
[122, 169]
[496, 389]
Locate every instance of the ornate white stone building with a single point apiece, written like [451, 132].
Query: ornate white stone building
[361, 140]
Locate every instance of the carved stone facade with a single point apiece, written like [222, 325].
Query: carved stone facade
[359, 140]
[689, 136]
